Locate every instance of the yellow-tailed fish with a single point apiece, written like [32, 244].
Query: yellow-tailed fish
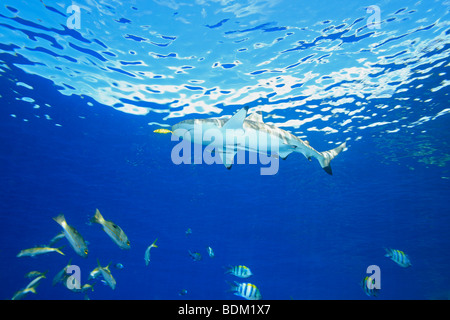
[56, 238]
[112, 230]
[239, 271]
[61, 275]
[75, 286]
[94, 273]
[35, 282]
[33, 274]
[22, 293]
[147, 252]
[73, 236]
[87, 287]
[246, 290]
[163, 131]
[107, 276]
[32, 252]
[399, 257]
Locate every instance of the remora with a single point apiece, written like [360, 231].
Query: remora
[250, 134]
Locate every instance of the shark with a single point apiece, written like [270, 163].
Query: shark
[243, 132]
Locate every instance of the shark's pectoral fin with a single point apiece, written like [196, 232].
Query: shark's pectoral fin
[236, 122]
[227, 157]
[284, 153]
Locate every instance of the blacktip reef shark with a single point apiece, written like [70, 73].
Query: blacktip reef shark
[249, 133]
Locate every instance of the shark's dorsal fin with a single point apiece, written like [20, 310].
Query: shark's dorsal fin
[256, 116]
[237, 120]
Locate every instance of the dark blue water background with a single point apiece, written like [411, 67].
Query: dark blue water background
[303, 233]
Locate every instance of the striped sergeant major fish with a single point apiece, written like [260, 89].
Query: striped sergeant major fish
[239, 271]
[399, 257]
[369, 290]
[249, 134]
[245, 290]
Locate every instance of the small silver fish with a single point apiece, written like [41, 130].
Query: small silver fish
[56, 238]
[119, 266]
[195, 256]
[182, 292]
[112, 230]
[61, 274]
[94, 273]
[31, 287]
[32, 252]
[73, 236]
[22, 293]
[210, 252]
[33, 274]
[107, 276]
[147, 252]
[35, 281]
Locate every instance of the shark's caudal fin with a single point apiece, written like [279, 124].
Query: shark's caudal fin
[329, 155]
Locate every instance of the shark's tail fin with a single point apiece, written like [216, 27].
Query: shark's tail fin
[329, 155]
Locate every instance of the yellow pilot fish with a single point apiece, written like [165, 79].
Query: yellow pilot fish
[75, 239]
[112, 230]
[163, 131]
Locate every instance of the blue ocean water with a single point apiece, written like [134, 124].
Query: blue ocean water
[83, 88]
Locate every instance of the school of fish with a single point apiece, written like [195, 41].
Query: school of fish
[103, 273]
[246, 290]
[80, 247]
